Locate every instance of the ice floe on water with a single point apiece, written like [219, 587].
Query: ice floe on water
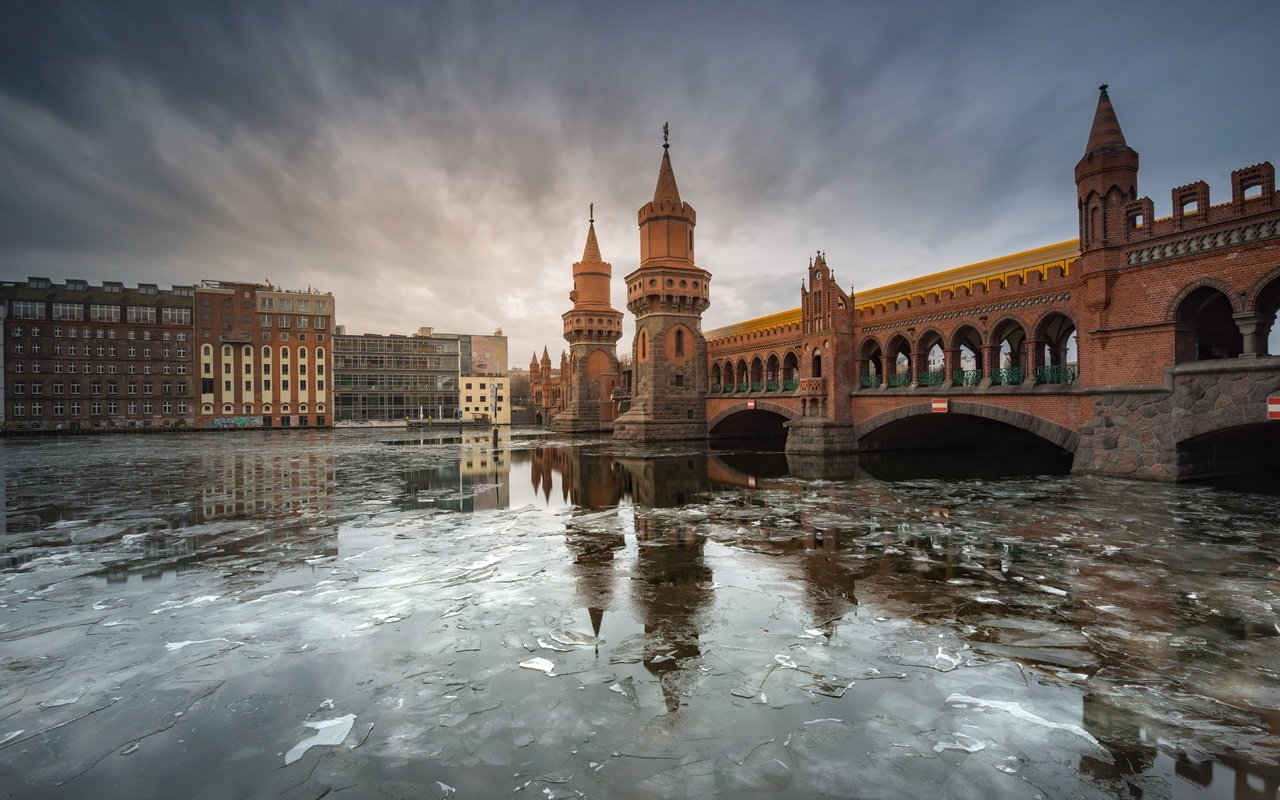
[586, 621]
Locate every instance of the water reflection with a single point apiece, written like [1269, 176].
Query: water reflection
[1145, 615]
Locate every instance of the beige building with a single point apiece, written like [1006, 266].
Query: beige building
[265, 357]
[485, 398]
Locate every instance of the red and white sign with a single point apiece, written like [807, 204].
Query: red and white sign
[1273, 407]
[940, 405]
[751, 405]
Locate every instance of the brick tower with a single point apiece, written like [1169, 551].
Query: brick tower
[592, 328]
[667, 294]
[1107, 193]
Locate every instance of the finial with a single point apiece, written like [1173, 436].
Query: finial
[666, 132]
[592, 218]
[1103, 88]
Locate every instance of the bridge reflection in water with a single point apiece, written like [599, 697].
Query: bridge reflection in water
[937, 537]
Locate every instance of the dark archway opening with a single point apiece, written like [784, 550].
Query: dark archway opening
[754, 424]
[957, 446]
[1206, 329]
[1244, 458]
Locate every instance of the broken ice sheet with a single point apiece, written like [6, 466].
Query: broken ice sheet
[328, 732]
[539, 664]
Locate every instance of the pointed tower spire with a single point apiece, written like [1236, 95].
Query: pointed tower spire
[666, 188]
[1106, 179]
[591, 253]
[1105, 133]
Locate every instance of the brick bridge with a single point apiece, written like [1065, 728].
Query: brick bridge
[1145, 347]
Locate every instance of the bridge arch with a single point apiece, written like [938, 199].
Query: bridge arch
[1008, 342]
[738, 420]
[1174, 309]
[1052, 432]
[1263, 300]
[1056, 340]
[930, 356]
[1204, 322]
[966, 349]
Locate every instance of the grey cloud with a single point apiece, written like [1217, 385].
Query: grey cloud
[431, 163]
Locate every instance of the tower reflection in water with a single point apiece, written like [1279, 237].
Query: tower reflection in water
[911, 570]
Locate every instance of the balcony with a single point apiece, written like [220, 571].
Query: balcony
[790, 386]
[966, 377]
[241, 338]
[771, 386]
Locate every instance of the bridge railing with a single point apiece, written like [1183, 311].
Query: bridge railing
[899, 379]
[771, 386]
[869, 381]
[966, 377]
[790, 386]
[1056, 373]
[1008, 376]
[931, 378]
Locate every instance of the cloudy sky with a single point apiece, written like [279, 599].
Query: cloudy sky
[431, 163]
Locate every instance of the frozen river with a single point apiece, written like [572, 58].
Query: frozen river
[363, 614]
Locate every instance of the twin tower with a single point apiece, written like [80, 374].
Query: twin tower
[667, 294]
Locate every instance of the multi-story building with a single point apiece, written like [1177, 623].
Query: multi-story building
[82, 357]
[386, 378]
[265, 357]
[485, 398]
[389, 378]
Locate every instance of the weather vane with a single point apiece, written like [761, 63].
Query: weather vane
[592, 218]
[666, 131]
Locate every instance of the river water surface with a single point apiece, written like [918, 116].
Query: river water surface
[391, 614]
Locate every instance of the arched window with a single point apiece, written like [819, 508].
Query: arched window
[266, 352]
[679, 342]
[248, 351]
[817, 363]
[248, 409]
[302, 352]
[284, 353]
[1009, 370]
[643, 346]
[1056, 355]
[208, 350]
[320, 354]
[226, 351]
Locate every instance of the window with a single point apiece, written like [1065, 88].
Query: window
[131, 388]
[176, 316]
[148, 388]
[140, 315]
[37, 409]
[284, 385]
[282, 321]
[226, 386]
[58, 408]
[68, 311]
[166, 407]
[248, 386]
[19, 388]
[75, 387]
[28, 309]
[75, 408]
[19, 409]
[113, 388]
[147, 407]
[182, 407]
[58, 387]
[131, 408]
[95, 407]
